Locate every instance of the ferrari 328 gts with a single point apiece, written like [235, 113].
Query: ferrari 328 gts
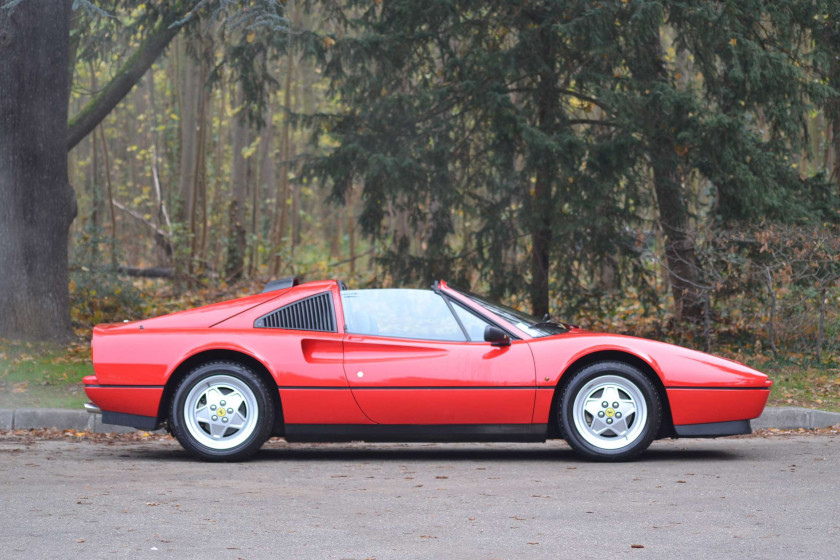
[319, 362]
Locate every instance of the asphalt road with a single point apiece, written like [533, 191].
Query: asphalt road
[756, 497]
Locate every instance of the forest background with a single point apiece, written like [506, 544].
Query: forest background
[664, 169]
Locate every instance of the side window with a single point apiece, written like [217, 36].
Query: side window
[417, 314]
[472, 323]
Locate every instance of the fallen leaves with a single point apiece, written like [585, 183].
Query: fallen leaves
[771, 432]
[28, 436]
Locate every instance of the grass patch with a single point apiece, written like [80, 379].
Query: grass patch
[805, 383]
[39, 374]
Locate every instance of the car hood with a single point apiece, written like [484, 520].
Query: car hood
[675, 365]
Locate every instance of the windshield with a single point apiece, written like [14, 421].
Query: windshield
[521, 320]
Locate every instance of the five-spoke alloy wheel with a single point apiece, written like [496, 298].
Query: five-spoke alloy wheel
[222, 411]
[610, 411]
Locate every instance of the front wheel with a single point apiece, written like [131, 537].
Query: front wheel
[610, 411]
[222, 411]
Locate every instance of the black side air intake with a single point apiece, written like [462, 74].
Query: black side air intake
[314, 313]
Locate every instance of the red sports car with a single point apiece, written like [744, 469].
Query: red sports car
[319, 362]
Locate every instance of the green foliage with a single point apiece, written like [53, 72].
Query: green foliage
[102, 296]
[97, 293]
[480, 133]
[478, 118]
[753, 62]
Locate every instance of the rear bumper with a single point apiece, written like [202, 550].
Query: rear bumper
[92, 408]
[137, 406]
[122, 419]
[140, 400]
[714, 429]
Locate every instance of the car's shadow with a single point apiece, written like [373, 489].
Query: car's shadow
[279, 452]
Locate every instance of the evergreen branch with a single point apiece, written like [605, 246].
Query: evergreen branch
[593, 100]
[595, 122]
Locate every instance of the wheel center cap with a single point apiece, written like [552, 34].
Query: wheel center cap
[221, 412]
[610, 413]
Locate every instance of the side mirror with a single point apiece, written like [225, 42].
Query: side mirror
[496, 336]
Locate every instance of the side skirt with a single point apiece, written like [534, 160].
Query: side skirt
[416, 433]
[714, 429]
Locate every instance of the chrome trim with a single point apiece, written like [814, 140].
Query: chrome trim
[92, 408]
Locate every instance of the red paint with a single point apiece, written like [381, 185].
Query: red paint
[447, 370]
[403, 381]
[135, 400]
[321, 406]
[698, 406]
[447, 406]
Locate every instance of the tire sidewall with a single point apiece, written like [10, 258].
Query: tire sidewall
[579, 381]
[261, 430]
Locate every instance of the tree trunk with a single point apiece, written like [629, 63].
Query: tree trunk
[192, 133]
[296, 205]
[198, 221]
[37, 204]
[265, 182]
[188, 119]
[109, 192]
[833, 113]
[679, 242]
[648, 67]
[828, 41]
[351, 230]
[283, 189]
[542, 201]
[163, 244]
[238, 177]
[821, 323]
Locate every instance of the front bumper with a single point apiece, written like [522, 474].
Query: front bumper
[714, 405]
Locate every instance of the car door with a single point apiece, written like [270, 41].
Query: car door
[409, 360]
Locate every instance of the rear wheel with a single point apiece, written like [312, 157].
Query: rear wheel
[610, 411]
[222, 411]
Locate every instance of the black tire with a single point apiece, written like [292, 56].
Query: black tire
[597, 429]
[210, 427]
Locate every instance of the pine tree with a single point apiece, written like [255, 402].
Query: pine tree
[480, 110]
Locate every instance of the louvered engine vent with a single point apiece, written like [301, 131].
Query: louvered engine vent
[311, 314]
